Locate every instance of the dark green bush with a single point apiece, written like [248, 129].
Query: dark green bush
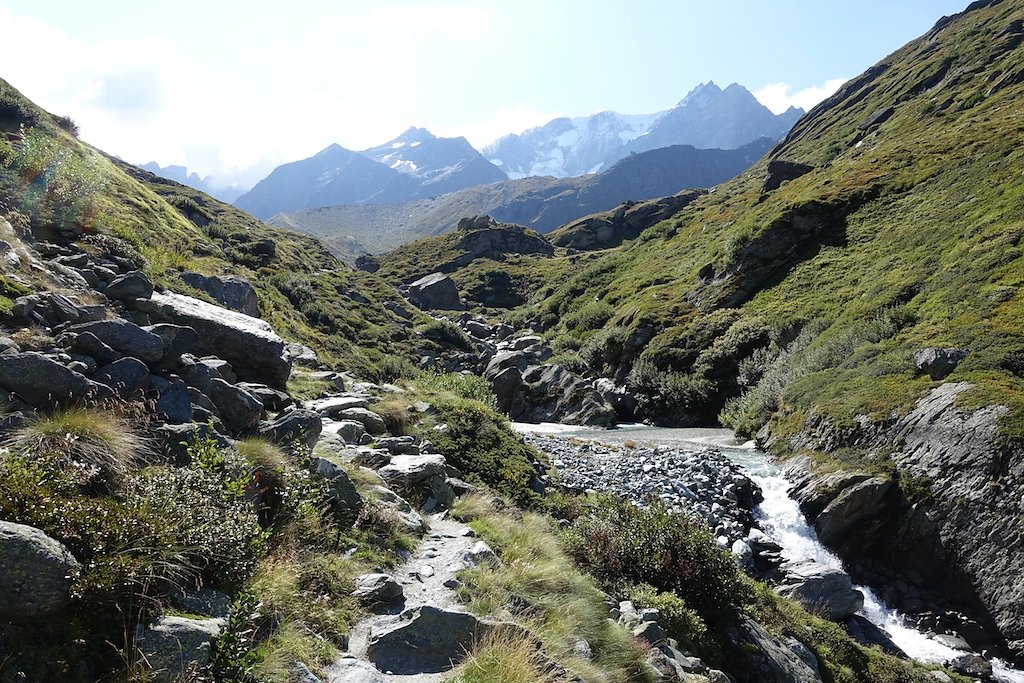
[619, 541]
[466, 386]
[448, 334]
[603, 350]
[479, 442]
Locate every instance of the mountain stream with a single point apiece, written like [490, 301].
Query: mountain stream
[781, 519]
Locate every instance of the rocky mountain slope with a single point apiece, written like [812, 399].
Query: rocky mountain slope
[180, 174]
[538, 203]
[413, 166]
[707, 118]
[853, 298]
[185, 495]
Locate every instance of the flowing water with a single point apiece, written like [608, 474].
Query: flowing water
[780, 517]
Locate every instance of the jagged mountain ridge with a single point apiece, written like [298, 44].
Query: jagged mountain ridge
[707, 118]
[181, 174]
[541, 203]
[415, 165]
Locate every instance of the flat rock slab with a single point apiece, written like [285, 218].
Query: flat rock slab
[333, 406]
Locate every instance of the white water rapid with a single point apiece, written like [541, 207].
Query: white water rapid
[780, 517]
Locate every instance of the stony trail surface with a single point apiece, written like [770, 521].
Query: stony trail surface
[423, 577]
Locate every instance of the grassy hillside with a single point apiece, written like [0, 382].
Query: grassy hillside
[812, 297]
[57, 187]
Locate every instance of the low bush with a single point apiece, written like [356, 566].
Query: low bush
[447, 333]
[462, 385]
[619, 541]
[479, 442]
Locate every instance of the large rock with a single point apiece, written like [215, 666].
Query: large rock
[230, 291]
[781, 171]
[35, 572]
[174, 403]
[429, 640]
[295, 426]
[332, 406]
[852, 506]
[125, 337]
[823, 590]
[938, 363]
[345, 500]
[409, 520]
[378, 589]
[239, 409]
[435, 291]
[127, 376]
[132, 285]
[349, 669]
[252, 347]
[371, 421]
[177, 340]
[176, 645]
[777, 661]
[41, 381]
[407, 471]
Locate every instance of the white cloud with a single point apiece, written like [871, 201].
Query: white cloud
[778, 98]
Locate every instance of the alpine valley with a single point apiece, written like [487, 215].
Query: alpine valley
[783, 357]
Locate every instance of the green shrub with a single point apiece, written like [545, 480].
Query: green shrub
[590, 316]
[678, 620]
[479, 442]
[667, 395]
[463, 385]
[393, 368]
[619, 541]
[448, 334]
[603, 350]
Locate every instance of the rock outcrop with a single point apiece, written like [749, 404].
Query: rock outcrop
[436, 291]
[35, 573]
[229, 291]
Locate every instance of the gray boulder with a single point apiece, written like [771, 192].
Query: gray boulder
[230, 291]
[435, 291]
[781, 171]
[349, 431]
[333, 406]
[823, 590]
[378, 589]
[173, 403]
[175, 645]
[349, 669]
[346, 503]
[295, 426]
[132, 285]
[127, 377]
[252, 347]
[429, 640]
[852, 506]
[239, 409]
[408, 519]
[35, 572]
[89, 344]
[371, 421]
[406, 471]
[302, 356]
[778, 661]
[125, 337]
[41, 381]
[177, 339]
[272, 399]
[938, 363]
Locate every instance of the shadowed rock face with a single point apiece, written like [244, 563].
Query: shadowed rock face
[34, 572]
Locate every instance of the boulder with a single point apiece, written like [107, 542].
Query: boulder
[35, 572]
[406, 471]
[295, 426]
[125, 337]
[230, 291]
[480, 554]
[851, 507]
[239, 409]
[867, 634]
[773, 660]
[332, 406]
[973, 666]
[429, 640]
[349, 669]
[938, 363]
[177, 645]
[408, 519]
[781, 171]
[368, 263]
[89, 344]
[302, 356]
[41, 381]
[346, 502]
[174, 403]
[398, 445]
[132, 285]
[202, 601]
[820, 589]
[127, 377]
[435, 291]
[349, 431]
[371, 421]
[252, 347]
[378, 589]
[177, 339]
[272, 399]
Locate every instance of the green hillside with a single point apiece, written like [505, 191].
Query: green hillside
[810, 298]
[61, 188]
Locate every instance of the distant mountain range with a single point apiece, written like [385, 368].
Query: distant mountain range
[181, 174]
[415, 165]
[707, 118]
[541, 203]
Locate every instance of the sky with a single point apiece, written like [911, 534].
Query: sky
[232, 89]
